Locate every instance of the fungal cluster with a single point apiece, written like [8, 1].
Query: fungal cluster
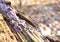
[12, 17]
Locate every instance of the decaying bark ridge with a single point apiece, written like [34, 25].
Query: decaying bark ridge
[7, 36]
[5, 33]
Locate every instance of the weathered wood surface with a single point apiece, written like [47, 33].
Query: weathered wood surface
[29, 34]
